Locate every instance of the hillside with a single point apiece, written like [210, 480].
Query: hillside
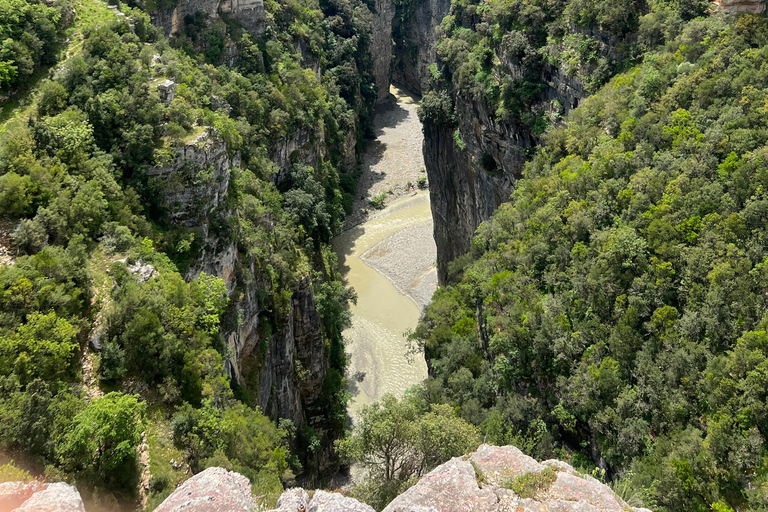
[613, 313]
[169, 219]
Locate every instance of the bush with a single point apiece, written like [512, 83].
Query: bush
[378, 201]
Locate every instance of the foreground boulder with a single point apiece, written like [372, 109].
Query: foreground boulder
[295, 500]
[213, 490]
[35, 496]
[496, 479]
[492, 479]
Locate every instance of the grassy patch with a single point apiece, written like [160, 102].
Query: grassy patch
[479, 475]
[530, 485]
[10, 473]
[161, 451]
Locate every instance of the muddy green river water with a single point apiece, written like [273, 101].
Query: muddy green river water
[389, 261]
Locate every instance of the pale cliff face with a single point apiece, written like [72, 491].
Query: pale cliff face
[739, 6]
[250, 13]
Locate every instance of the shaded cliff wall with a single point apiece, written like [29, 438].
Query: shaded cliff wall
[415, 37]
[468, 183]
[381, 46]
[473, 162]
[281, 356]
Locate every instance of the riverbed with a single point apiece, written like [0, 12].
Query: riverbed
[389, 259]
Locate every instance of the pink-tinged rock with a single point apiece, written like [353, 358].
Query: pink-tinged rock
[334, 502]
[292, 500]
[447, 488]
[500, 464]
[13, 494]
[213, 490]
[58, 497]
[457, 487]
[570, 487]
[297, 500]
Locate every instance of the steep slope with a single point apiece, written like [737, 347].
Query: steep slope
[505, 72]
[614, 309]
[139, 162]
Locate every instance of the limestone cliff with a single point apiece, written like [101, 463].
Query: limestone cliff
[280, 356]
[416, 42]
[249, 13]
[381, 46]
[471, 178]
[474, 160]
[737, 6]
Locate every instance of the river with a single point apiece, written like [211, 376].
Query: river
[389, 259]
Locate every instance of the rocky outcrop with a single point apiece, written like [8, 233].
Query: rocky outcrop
[213, 490]
[381, 46]
[195, 179]
[35, 496]
[487, 481]
[416, 47]
[249, 13]
[492, 479]
[473, 164]
[738, 6]
[294, 500]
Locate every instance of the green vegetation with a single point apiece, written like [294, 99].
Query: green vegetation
[529, 485]
[76, 178]
[379, 201]
[613, 312]
[28, 38]
[398, 441]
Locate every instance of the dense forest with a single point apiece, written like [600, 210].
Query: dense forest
[613, 313]
[95, 240]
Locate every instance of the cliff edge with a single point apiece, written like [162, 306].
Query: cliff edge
[492, 479]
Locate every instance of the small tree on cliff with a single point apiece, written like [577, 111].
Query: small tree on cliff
[397, 441]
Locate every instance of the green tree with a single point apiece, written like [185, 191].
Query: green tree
[101, 444]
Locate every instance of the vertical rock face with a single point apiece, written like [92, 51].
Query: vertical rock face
[250, 13]
[292, 379]
[737, 6]
[381, 46]
[467, 184]
[418, 51]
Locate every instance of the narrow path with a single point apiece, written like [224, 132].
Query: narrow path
[389, 260]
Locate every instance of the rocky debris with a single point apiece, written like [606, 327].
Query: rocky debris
[143, 271]
[738, 6]
[6, 253]
[481, 482]
[213, 490]
[39, 497]
[167, 91]
[294, 500]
